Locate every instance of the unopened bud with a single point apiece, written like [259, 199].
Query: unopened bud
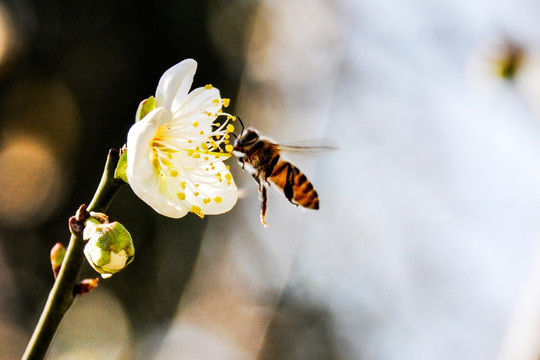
[109, 248]
[58, 252]
[85, 286]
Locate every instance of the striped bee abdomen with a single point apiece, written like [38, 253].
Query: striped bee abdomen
[295, 185]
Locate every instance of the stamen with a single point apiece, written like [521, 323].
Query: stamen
[197, 210]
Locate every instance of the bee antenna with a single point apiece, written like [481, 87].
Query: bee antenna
[241, 123]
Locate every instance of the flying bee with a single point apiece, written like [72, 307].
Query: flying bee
[262, 158]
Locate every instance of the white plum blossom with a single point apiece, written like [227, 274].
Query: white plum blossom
[175, 152]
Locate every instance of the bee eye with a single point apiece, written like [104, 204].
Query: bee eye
[250, 137]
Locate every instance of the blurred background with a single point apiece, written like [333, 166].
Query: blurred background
[427, 243]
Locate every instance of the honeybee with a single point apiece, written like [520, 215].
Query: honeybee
[261, 157]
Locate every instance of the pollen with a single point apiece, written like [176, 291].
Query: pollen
[181, 195]
[196, 156]
[195, 123]
[215, 101]
[197, 211]
[207, 86]
[174, 173]
[207, 200]
[218, 199]
[230, 128]
[196, 193]
[226, 102]
[183, 184]
[228, 176]
[202, 132]
[229, 148]
[204, 146]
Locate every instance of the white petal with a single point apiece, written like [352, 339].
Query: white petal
[224, 191]
[174, 85]
[139, 165]
[143, 180]
[201, 100]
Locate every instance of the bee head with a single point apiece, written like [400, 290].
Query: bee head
[248, 137]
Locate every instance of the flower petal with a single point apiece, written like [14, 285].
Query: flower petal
[139, 165]
[143, 179]
[175, 84]
[218, 194]
[201, 100]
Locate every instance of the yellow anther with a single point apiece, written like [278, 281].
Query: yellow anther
[206, 158]
[196, 156]
[196, 193]
[226, 102]
[208, 86]
[183, 184]
[202, 132]
[228, 176]
[181, 196]
[218, 199]
[195, 123]
[206, 201]
[229, 148]
[230, 128]
[174, 173]
[197, 210]
[208, 113]
[215, 101]
[204, 146]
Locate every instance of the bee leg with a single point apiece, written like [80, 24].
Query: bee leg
[263, 206]
[242, 162]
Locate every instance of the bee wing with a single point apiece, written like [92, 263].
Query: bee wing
[312, 146]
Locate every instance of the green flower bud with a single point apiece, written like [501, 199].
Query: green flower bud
[58, 252]
[109, 248]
